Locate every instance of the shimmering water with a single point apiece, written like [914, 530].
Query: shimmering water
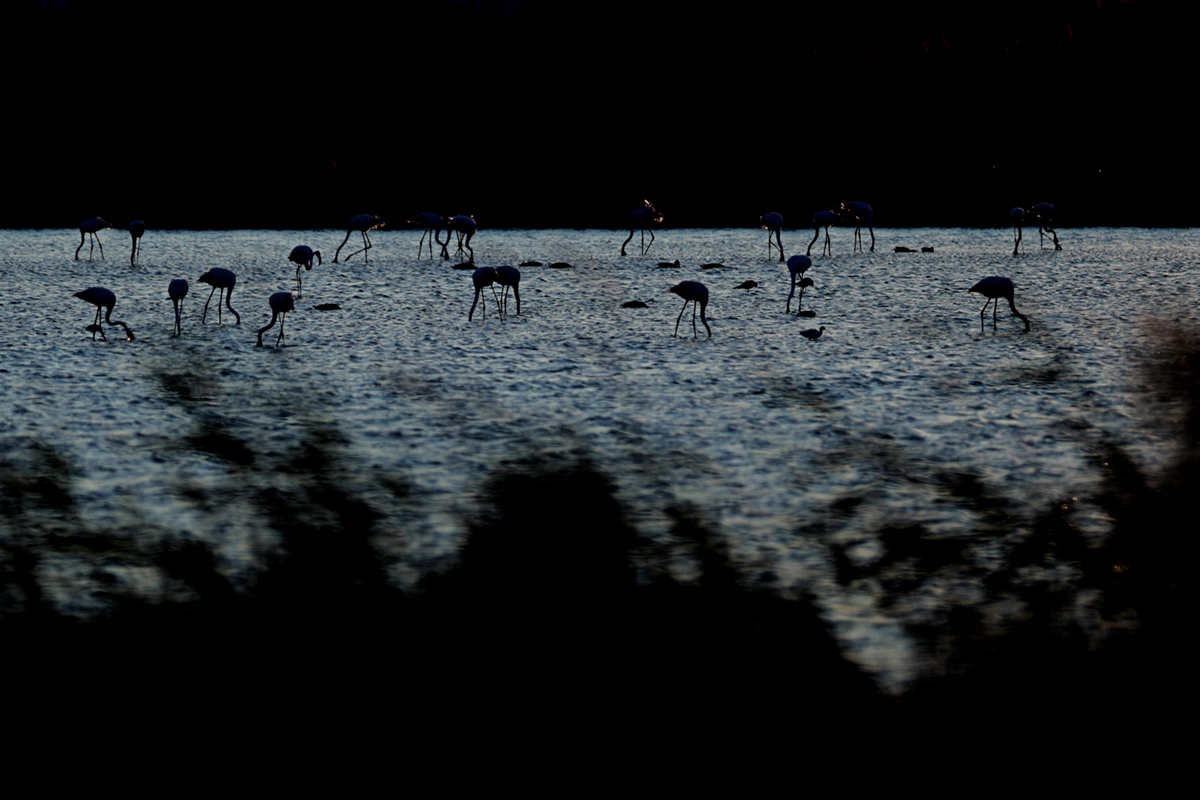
[786, 447]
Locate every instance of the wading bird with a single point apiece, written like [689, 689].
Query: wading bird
[483, 277]
[90, 227]
[822, 219]
[1018, 220]
[993, 288]
[797, 265]
[692, 292]
[363, 223]
[224, 280]
[302, 256]
[860, 214]
[1043, 214]
[509, 277]
[433, 224]
[281, 304]
[136, 229]
[773, 223]
[465, 227]
[641, 220]
[812, 334]
[178, 290]
[747, 285]
[104, 301]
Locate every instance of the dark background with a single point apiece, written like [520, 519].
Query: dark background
[544, 114]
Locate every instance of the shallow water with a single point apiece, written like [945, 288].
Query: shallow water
[785, 446]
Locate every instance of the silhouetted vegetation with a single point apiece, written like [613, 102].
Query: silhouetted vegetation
[555, 598]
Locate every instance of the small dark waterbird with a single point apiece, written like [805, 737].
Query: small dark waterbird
[302, 256]
[433, 225]
[482, 278]
[797, 265]
[137, 229]
[692, 292]
[773, 224]
[364, 224]
[747, 285]
[91, 227]
[822, 219]
[509, 278]
[994, 288]
[177, 290]
[1043, 215]
[641, 220]
[812, 334]
[859, 214]
[281, 303]
[222, 279]
[104, 301]
[1017, 215]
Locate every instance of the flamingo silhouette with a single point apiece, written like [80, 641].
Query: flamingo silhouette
[90, 227]
[1043, 213]
[773, 223]
[1018, 220]
[281, 304]
[483, 277]
[224, 280]
[136, 229]
[363, 223]
[812, 334]
[798, 265]
[692, 292]
[465, 227]
[177, 290]
[104, 301]
[642, 219]
[509, 277]
[302, 256]
[433, 224]
[861, 214]
[822, 219]
[993, 288]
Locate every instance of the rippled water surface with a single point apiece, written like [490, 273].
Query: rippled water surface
[784, 446]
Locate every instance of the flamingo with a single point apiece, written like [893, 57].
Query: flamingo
[1043, 213]
[812, 334]
[692, 292]
[433, 225]
[482, 277]
[798, 265]
[136, 229]
[302, 256]
[465, 227]
[861, 213]
[224, 280]
[509, 277]
[822, 219]
[993, 288]
[363, 223]
[90, 227]
[178, 290]
[641, 220]
[773, 223]
[281, 304]
[1018, 220]
[104, 300]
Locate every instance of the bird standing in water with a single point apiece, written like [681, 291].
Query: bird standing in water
[482, 278]
[994, 288]
[136, 229]
[281, 304]
[641, 220]
[90, 227]
[773, 224]
[302, 256]
[177, 290]
[822, 219]
[104, 301]
[222, 279]
[692, 292]
[860, 214]
[509, 278]
[797, 265]
[363, 223]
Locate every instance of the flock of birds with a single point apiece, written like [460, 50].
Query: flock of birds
[859, 214]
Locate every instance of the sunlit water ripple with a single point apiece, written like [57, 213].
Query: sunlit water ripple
[758, 430]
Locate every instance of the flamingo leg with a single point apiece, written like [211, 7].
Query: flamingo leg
[778, 243]
[651, 241]
[828, 244]
[204, 316]
[788, 307]
[421, 244]
[467, 244]
[282, 319]
[695, 333]
[704, 320]
[82, 237]
[680, 317]
[340, 246]
[228, 297]
[474, 302]
[497, 299]
[100, 244]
